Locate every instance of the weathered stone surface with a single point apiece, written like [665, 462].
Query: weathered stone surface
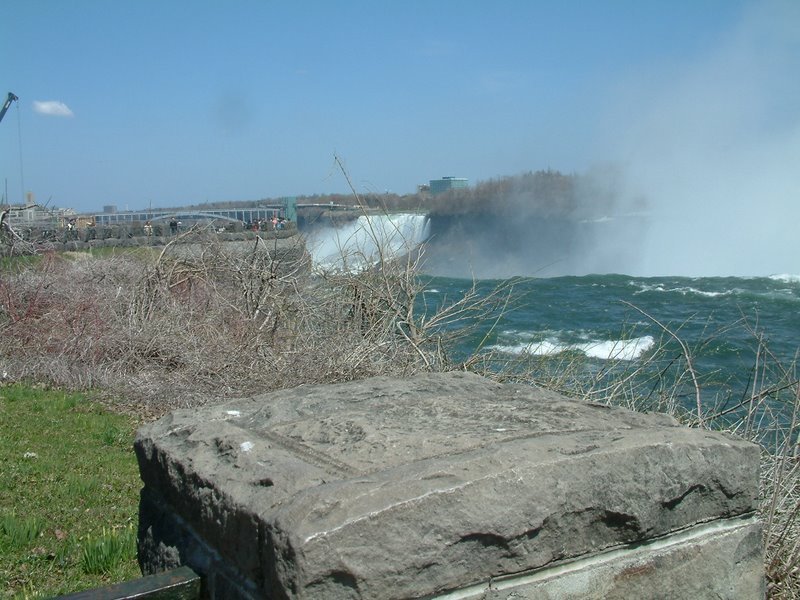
[413, 488]
[721, 559]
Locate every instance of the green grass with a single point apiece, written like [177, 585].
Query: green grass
[69, 491]
[105, 553]
[19, 263]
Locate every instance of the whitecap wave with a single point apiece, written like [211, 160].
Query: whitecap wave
[618, 349]
[646, 287]
[786, 278]
[627, 350]
[541, 348]
[683, 291]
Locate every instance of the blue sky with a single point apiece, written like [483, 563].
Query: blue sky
[183, 102]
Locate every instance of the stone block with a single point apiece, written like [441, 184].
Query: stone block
[446, 485]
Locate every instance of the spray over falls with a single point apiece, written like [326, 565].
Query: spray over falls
[365, 241]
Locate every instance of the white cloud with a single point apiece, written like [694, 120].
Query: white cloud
[54, 108]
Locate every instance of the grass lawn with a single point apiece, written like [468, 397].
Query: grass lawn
[69, 493]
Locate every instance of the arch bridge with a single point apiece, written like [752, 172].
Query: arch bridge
[193, 216]
[241, 215]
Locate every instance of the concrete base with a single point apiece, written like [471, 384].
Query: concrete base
[435, 486]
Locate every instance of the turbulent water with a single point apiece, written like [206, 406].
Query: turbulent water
[724, 322]
[623, 319]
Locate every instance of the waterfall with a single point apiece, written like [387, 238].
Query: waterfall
[358, 244]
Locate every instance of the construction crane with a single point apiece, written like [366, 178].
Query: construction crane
[9, 100]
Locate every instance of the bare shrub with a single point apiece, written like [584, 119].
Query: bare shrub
[203, 320]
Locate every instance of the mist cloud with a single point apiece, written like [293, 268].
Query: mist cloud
[537, 224]
[52, 108]
[715, 147]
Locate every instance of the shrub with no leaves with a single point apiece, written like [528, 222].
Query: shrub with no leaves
[207, 320]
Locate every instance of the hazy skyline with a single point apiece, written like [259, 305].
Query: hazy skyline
[145, 103]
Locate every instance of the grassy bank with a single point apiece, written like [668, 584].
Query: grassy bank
[68, 494]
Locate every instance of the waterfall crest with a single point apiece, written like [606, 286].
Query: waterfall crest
[361, 243]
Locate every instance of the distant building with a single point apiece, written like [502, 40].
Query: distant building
[31, 214]
[447, 183]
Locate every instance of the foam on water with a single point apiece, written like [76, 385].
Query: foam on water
[690, 290]
[627, 350]
[618, 349]
[786, 278]
[683, 290]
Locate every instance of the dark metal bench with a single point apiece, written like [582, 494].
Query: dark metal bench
[179, 584]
